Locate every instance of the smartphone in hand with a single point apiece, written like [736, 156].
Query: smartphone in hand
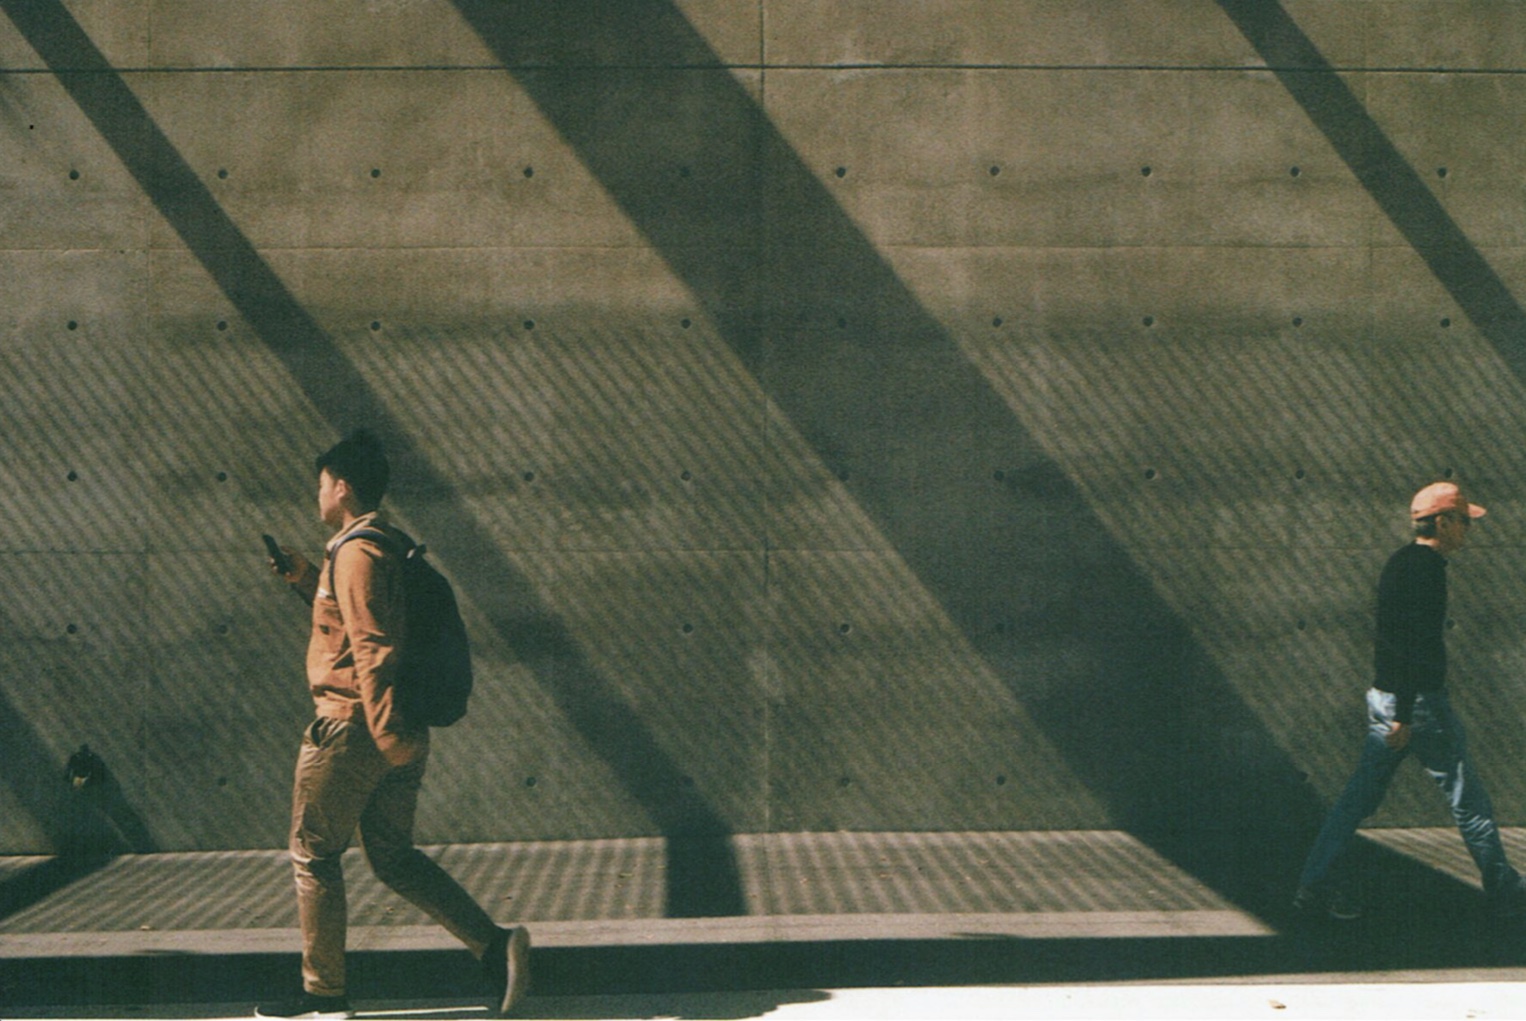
[277, 555]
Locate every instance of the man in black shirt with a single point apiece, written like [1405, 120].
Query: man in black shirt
[1408, 712]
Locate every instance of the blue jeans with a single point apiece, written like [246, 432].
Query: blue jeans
[1437, 740]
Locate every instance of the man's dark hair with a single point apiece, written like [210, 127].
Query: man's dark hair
[360, 460]
[1425, 528]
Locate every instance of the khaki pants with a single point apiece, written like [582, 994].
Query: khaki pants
[345, 786]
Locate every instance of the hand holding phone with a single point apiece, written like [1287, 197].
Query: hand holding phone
[278, 556]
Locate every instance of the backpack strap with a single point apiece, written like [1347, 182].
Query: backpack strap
[377, 535]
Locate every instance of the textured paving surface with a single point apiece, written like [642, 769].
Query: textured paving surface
[623, 881]
[188, 935]
[797, 886]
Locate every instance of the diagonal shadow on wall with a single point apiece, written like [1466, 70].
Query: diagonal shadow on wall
[702, 874]
[1387, 176]
[880, 390]
[85, 828]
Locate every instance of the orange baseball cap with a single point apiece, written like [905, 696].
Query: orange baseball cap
[1439, 497]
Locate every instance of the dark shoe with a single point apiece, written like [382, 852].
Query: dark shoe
[1343, 907]
[319, 1008]
[1338, 904]
[506, 961]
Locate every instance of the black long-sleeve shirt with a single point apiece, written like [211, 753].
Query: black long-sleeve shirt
[1411, 653]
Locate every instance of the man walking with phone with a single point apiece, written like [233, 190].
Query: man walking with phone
[362, 760]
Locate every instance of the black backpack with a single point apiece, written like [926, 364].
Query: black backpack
[434, 678]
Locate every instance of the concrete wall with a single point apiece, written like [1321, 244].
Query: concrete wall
[835, 414]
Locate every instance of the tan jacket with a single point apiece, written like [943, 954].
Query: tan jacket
[358, 630]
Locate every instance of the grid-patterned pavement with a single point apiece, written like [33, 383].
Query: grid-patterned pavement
[191, 933]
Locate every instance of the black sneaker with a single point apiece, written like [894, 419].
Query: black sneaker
[506, 962]
[1338, 904]
[319, 1008]
[1343, 907]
